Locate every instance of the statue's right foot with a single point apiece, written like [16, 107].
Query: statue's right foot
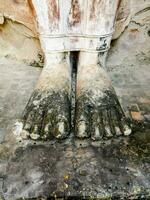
[47, 114]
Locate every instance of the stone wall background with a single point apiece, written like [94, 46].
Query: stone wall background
[18, 32]
[128, 60]
[18, 27]
[131, 39]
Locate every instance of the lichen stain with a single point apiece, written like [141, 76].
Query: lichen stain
[53, 10]
[135, 30]
[75, 13]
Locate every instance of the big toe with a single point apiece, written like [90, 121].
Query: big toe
[81, 129]
[61, 130]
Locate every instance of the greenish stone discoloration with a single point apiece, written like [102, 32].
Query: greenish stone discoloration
[39, 62]
[139, 146]
[46, 113]
[104, 112]
[113, 170]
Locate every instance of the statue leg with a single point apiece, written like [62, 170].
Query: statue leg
[47, 113]
[98, 112]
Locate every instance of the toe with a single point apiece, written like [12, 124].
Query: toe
[82, 129]
[46, 128]
[27, 126]
[108, 131]
[83, 118]
[96, 130]
[117, 131]
[34, 135]
[111, 119]
[123, 125]
[46, 131]
[28, 123]
[107, 125]
[97, 134]
[61, 130]
[115, 120]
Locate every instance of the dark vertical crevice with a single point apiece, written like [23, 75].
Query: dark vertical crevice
[74, 63]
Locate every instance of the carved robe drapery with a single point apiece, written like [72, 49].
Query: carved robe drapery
[70, 25]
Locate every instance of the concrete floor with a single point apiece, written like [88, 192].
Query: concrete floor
[117, 168]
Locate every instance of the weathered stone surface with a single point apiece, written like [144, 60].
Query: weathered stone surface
[19, 28]
[127, 11]
[18, 42]
[118, 168]
[1, 19]
[18, 33]
[19, 11]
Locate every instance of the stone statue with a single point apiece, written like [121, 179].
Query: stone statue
[65, 26]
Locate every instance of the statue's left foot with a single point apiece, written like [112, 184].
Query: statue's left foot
[98, 111]
[100, 118]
